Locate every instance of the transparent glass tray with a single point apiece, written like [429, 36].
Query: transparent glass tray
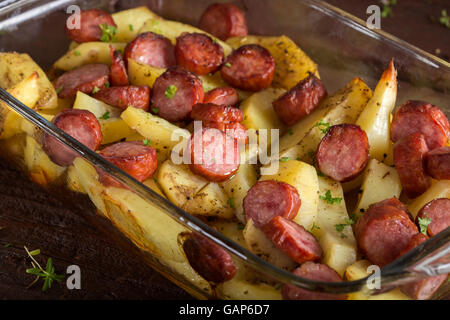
[343, 48]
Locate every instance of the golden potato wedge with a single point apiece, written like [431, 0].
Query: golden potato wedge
[115, 130]
[292, 63]
[16, 67]
[14, 147]
[439, 189]
[333, 227]
[179, 183]
[380, 182]
[358, 270]
[42, 170]
[73, 183]
[173, 29]
[304, 178]
[344, 106]
[97, 107]
[27, 92]
[259, 244]
[142, 74]
[87, 53]
[375, 119]
[130, 21]
[32, 130]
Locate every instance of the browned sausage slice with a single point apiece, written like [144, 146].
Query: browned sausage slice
[133, 157]
[175, 92]
[152, 49]
[395, 203]
[409, 154]
[222, 96]
[422, 289]
[84, 79]
[118, 75]
[124, 97]
[224, 20]
[82, 125]
[268, 199]
[344, 152]
[438, 163]
[300, 101]
[293, 239]
[196, 52]
[250, 67]
[90, 21]
[235, 130]
[216, 113]
[208, 259]
[438, 211]
[312, 271]
[383, 232]
[214, 155]
[421, 117]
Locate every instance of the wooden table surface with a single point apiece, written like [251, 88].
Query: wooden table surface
[110, 268]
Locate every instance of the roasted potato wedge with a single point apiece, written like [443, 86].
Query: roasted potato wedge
[142, 74]
[130, 21]
[97, 107]
[115, 130]
[439, 189]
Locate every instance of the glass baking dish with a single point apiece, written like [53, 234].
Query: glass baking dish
[343, 48]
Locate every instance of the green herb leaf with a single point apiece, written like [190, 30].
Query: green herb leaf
[314, 226]
[240, 226]
[423, 224]
[444, 19]
[7, 245]
[170, 91]
[230, 203]
[146, 142]
[105, 116]
[77, 53]
[155, 110]
[323, 126]
[58, 90]
[329, 199]
[130, 26]
[228, 65]
[340, 227]
[285, 159]
[108, 33]
[95, 90]
[106, 85]
[48, 275]
[35, 252]
[291, 132]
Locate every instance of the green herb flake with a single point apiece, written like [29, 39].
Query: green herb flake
[146, 142]
[323, 126]
[329, 199]
[444, 19]
[228, 65]
[77, 53]
[291, 132]
[285, 159]
[230, 203]
[240, 226]
[107, 85]
[171, 91]
[340, 227]
[423, 224]
[108, 33]
[58, 90]
[314, 226]
[95, 90]
[8, 245]
[130, 26]
[387, 8]
[35, 252]
[105, 116]
[155, 110]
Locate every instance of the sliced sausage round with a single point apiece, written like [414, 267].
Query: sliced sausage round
[151, 49]
[216, 113]
[224, 20]
[208, 259]
[422, 289]
[124, 97]
[175, 92]
[133, 157]
[312, 271]
[409, 154]
[82, 125]
[421, 117]
[383, 232]
[89, 29]
[344, 152]
[395, 203]
[235, 130]
[268, 199]
[300, 101]
[84, 79]
[438, 211]
[293, 239]
[222, 96]
[214, 155]
[118, 74]
[250, 67]
[438, 163]
[196, 52]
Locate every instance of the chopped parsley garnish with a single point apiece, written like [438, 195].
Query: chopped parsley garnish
[215, 40]
[130, 26]
[77, 53]
[444, 19]
[170, 91]
[291, 132]
[146, 142]
[230, 203]
[314, 226]
[105, 116]
[7, 245]
[228, 65]
[119, 102]
[387, 10]
[107, 85]
[285, 159]
[58, 90]
[155, 110]
[341, 227]
[329, 199]
[323, 126]
[108, 33]
[95, 90]
[423, 224]
[48, 275]
[240, 226]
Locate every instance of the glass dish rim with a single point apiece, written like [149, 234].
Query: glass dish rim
[389, 273]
